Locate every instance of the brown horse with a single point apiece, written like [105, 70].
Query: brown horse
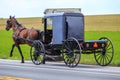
[22, 35]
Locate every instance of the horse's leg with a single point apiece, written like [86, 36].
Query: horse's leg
[12, 50]
[20, 53]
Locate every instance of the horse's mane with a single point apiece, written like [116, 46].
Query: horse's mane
[17, 22]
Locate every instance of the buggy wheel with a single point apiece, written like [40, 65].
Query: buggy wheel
[37, 52]
[104, 56]
[71, 52]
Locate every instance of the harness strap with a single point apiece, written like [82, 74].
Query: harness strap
[20, 31]
[17, 36]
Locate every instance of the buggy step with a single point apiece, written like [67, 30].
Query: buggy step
[53, 58]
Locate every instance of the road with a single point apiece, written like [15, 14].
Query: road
[57, 71]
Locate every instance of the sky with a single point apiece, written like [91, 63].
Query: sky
[35, 8]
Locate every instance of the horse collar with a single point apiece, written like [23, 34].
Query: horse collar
[20, 31]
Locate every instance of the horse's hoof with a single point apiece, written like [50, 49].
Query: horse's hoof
[22, 62]
[43, 62]
[11, 55]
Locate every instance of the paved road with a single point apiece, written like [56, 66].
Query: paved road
[57, 71]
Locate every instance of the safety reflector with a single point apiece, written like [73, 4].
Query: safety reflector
[87, 45]
[95, 45]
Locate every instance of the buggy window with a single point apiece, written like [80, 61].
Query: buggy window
[49, 23]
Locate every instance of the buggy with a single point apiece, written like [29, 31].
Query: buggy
[64, 37]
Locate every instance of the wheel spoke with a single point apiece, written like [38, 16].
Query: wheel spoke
[107, 58]
[105, 61]
[98, 54]
[67, 48]
[108, 55]
[69, 45]
[109, 48]
[103, 57]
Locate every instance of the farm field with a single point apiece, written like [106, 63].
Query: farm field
[102, 23]
[35, 22]
[92, 23]
[95, 27]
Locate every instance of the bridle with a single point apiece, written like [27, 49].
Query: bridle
[12, 23]
[9, 25]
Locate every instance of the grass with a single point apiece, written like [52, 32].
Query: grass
[95, 27]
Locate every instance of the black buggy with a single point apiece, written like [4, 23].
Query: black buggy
[64, 37]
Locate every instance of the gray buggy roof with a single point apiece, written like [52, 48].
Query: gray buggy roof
[63, 14]
[58, 10]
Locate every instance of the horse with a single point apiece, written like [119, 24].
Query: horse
[22, 35]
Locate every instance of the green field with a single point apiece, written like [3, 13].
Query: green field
[95, 27]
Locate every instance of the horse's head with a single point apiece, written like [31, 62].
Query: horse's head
[10, 23]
